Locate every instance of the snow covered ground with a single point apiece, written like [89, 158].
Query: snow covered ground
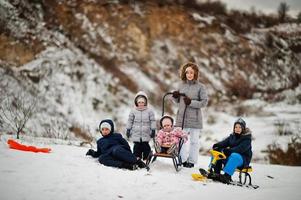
[67, 173]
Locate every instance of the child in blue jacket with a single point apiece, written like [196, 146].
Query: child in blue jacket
[113, 150]
[238, 149]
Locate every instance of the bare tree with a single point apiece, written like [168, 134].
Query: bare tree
[16, 110]
[299, 17]
[282, 11]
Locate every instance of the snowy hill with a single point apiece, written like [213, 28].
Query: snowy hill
[84, 61]
[66, 173]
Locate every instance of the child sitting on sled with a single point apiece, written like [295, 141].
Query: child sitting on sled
[113, 150]
[168, 137]
[238, 149]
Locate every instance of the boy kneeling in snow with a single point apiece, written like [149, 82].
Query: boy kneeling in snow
[113, 150]
[238, 149]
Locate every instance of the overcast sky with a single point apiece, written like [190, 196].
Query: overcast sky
[266, 6]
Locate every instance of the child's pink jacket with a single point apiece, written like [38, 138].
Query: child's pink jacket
[169, 138]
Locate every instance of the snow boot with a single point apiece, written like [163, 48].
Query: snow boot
[140, 163]
[129, 166]
[225, 178]
[188, 165]
[213, 176]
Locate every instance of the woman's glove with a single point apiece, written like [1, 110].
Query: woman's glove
[176, 94]
[187, 100]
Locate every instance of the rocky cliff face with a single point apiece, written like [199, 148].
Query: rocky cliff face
[85, 60]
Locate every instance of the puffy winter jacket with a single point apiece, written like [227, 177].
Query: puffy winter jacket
[141, 122]
[106, 144]
[199, 99]
[238, 144]
[172, 137]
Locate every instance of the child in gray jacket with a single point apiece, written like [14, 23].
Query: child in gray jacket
[141, 126]
[190, 108]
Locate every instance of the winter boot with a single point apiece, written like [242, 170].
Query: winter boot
[149, 158]
[140, 163]
[188, 165]
[129, 166]
[213, 176]
[225, 178]
[218, 167]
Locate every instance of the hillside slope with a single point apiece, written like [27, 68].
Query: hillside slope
[84, 61]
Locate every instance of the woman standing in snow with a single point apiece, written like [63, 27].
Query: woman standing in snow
[189, 108]
[141, 126]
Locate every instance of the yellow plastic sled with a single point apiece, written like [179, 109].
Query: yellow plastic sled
[198, 177]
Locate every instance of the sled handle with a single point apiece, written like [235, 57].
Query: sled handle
[217, 155]
[163, 105]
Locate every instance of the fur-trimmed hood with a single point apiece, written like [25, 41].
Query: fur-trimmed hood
[109, 122]
[141, 94]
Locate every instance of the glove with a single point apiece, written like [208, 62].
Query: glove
[128, 133]
[153, 133]
[176, 94]
[227, 152]
[216, 147]
[187, 100]
[90, 152]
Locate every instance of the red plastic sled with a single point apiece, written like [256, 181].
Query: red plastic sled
[15, 145]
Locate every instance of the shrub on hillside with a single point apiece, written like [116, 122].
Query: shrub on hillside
[212, 7]
[55, 128]
[82, 133]
[211, 119]
[240, 88]
[243, 22]
[282, 128]
[291, 156]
